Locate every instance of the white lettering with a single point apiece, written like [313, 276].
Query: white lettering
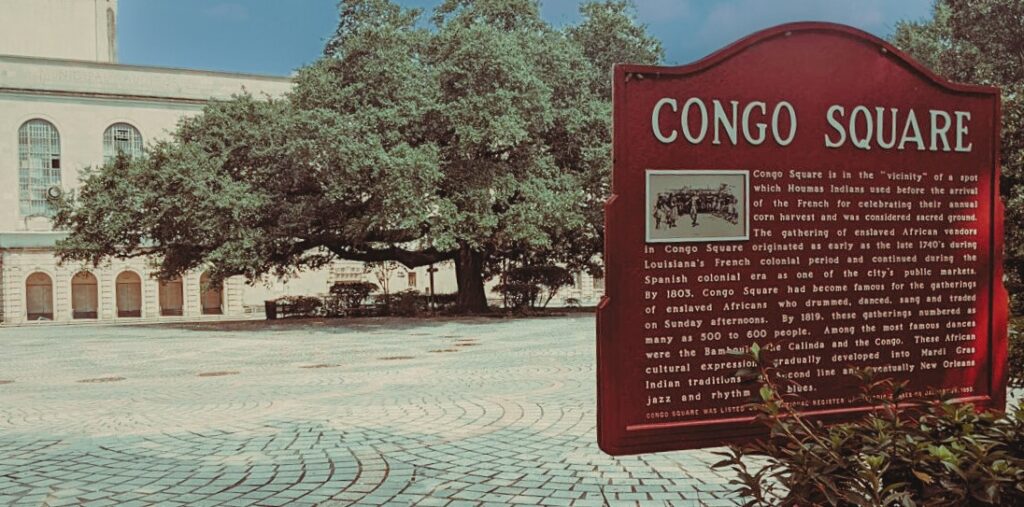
[722, 121]
[962, 117]
[761, 127]
[937, 130]
[656, 127]
[792, 123]
[832, 121]
[863, 143]
[882, 143]
[703, 120]
[916, 138]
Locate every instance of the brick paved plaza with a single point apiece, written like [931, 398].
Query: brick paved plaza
[300, 413]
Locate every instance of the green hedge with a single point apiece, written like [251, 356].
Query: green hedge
[905, 453]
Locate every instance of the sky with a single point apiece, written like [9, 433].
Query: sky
[276, 37]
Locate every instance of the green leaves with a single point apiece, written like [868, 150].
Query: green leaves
[931, 454]
[608, 35]
[981, 41]
[1015, 359]
[485, 135]
[755, 352]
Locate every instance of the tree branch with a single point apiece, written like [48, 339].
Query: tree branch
[410, 258]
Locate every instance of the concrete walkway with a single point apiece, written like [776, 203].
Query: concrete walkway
[332, 413]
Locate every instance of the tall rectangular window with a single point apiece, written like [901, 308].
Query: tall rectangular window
[38, 166]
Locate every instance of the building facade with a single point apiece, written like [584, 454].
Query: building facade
[68, 105]
[83, 30]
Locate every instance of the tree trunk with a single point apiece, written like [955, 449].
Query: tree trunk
[469, 275]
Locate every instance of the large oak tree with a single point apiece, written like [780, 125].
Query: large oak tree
[480, 136]
[982, 41]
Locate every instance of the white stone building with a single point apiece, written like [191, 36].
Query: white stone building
[67, 105]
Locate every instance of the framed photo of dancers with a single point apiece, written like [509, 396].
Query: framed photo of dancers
[697, 205]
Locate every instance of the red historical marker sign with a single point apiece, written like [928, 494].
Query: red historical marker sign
[811, 189]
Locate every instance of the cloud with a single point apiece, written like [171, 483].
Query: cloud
[227, 11]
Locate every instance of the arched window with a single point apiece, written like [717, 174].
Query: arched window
[212, 297]
[38, 166]
[39, 297]
[128, 294]
[172, 297]
[84, 296]
[121, 138]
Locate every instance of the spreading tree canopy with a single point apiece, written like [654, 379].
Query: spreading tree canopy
[982, 41]
[479, 136]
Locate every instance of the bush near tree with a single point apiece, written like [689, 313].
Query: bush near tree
[532, 286]
[406, 303]
[906, 452]
[516, 295]
[350, 296]
[383, 271]
[299, 306]
[442, 302]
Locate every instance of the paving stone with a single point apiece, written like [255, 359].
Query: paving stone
[509, 420]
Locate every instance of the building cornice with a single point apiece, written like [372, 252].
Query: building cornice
[141, 68]
[30, 239]
[72, 78]
[103, 96]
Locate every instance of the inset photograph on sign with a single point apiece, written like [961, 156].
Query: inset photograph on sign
[697, 205]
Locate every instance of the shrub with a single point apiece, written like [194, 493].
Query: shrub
[905, 453]
[532, 286]
[517, 294]
[408, 303]
[441, 301]
[1015, 358]
[298, 306]
[351, 295]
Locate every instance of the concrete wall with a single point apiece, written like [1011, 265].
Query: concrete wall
[81, 124]
[81, 100]
[73, 29]
[3, 292]
[16, 265]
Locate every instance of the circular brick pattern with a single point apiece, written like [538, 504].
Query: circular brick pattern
[366, 412]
